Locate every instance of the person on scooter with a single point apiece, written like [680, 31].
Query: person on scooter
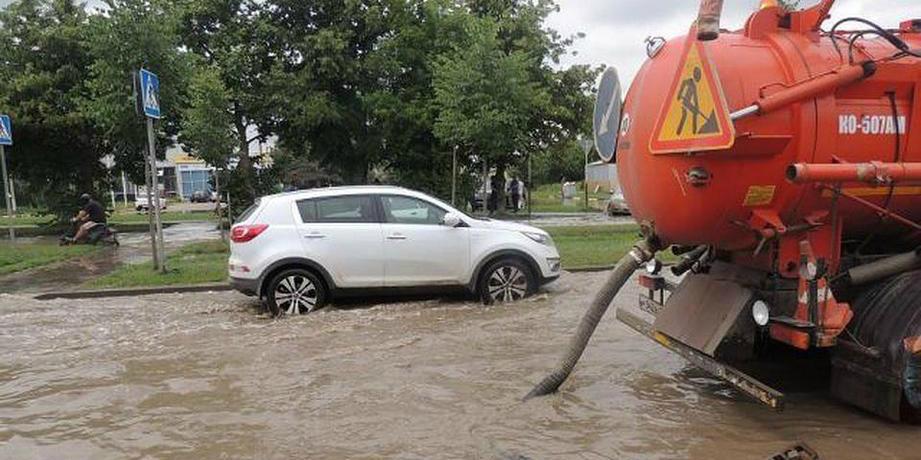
[90, 214]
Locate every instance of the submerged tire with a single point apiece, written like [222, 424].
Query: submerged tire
[887, 316]
[506, 280]
[295, 292]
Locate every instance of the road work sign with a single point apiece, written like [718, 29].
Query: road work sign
[150, 93]
[6, 130]
[694, 117]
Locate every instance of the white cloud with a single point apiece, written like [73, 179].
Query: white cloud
[615, 29]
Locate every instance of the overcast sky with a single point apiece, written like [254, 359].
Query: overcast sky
[615, 29]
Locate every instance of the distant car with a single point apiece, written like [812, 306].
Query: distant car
[617, 204]
[141, 205]
[200, 196]
[297, 250]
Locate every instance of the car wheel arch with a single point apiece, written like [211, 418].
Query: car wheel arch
[494, 256]
[295, 262]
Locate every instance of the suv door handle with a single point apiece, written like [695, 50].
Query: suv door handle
[396, 236]
[314, 236]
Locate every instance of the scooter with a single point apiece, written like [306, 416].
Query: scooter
[98, 234]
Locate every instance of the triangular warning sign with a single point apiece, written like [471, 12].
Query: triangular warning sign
[694, 117]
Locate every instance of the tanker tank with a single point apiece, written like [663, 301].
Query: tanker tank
[782, 161]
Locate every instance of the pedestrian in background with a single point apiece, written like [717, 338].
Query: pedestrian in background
[514, 189]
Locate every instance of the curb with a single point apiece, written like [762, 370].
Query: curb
[129, 292]
[599, 268]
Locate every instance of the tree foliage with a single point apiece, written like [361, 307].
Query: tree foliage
[350, 91]
[42, 83]
[130, 35]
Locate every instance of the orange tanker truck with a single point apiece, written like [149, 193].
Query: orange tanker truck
[782, 162]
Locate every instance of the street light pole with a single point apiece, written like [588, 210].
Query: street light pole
[586, 144]
[454, 177]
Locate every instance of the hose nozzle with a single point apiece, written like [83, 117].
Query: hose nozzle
[708, 19]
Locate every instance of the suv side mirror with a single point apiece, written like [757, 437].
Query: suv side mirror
[451, 220]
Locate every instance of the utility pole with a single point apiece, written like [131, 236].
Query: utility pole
[529, 187]
[124, 189]
[217, 192]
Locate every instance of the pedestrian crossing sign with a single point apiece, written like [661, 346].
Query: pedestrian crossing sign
[150, 93]
[694, 117]
[6, 131]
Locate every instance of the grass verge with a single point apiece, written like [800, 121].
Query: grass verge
[593, 245]
[580, 246]
[166, 216]
[15, 257]
[194, 263]
[121, 217]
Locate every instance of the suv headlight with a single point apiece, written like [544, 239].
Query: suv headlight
[539, 238]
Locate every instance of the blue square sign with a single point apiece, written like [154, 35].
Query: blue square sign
[150, 93]
[6, 130]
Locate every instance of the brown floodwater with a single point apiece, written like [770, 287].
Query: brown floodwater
[209, 376]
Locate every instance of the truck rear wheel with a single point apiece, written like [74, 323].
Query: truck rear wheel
[886, 377]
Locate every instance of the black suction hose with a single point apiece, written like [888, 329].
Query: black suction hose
[641, 252]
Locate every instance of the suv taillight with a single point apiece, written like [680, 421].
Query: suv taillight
[244, 233]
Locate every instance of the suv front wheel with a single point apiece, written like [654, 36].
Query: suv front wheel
[506, 280]
[295, 292]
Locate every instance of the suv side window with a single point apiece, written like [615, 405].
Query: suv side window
[340, 209]
[308, 210]
[406, 210]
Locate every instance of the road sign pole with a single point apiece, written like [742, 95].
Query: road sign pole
[158, 224]
[6, 193]
[152, 227]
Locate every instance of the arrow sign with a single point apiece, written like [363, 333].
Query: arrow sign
[150, 93]
[606, 121]
[6, 130]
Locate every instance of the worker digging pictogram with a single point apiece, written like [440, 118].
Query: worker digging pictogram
[690, 105]
[694, 117]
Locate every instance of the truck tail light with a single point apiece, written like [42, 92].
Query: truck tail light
[244, 233]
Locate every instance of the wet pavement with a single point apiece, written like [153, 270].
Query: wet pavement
[561, 219]
[209, 376]
[70, 274]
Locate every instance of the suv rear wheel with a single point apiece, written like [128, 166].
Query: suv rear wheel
[295, 292]
[506, 280]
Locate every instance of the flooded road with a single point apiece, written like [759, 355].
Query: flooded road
[208, 376]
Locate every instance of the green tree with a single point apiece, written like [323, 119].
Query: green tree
[235, 39]
[330, 79]
[130, 35]
[43, 76]
[485, 97]
[207, 121]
